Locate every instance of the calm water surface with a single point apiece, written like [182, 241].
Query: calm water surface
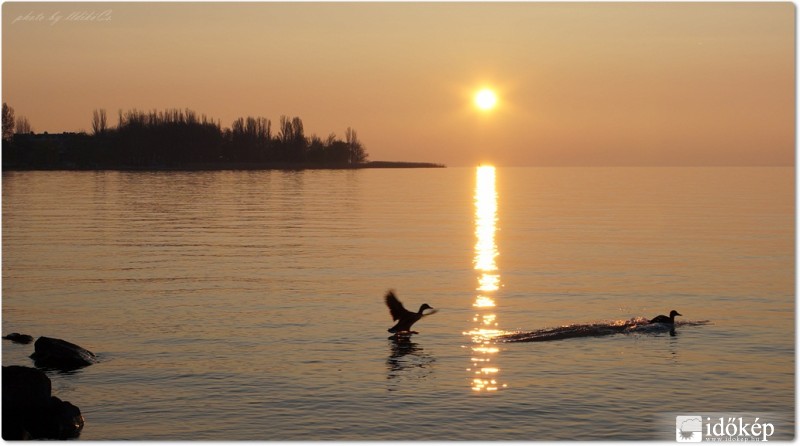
[248, 305]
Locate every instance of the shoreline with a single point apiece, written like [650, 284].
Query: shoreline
[236, 166]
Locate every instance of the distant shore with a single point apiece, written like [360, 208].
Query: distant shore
[238, 166]
[182, 140]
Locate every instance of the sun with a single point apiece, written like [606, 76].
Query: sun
[485, 99]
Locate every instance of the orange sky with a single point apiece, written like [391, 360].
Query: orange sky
[579, 83]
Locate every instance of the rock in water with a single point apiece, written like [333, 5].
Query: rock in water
[60, 354]
[19, 338]
[63, 420]
[30, 412]
[25, 388]
[26, 391]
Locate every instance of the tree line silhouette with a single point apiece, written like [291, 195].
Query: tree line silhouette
[175, 138]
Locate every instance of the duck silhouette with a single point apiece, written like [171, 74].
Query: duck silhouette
[405, 319]
[661, 319]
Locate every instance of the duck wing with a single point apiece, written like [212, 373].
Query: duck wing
[396, 309]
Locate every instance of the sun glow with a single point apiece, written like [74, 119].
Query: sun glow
[485, 99]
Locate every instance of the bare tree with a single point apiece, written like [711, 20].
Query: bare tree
[23, 126]
[8, 122]
[330, 140]
[285, 134]
[99, 121]
[299, 133]
[357, 153]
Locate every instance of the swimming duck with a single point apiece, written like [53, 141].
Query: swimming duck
[661, 319]
[405, 319]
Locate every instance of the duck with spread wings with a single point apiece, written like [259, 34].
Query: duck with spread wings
[405, 319]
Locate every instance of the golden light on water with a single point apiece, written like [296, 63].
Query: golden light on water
[483, 302]
[489, 282]
[483, 334]
[485, 220]
[484, 377]
[486, 349]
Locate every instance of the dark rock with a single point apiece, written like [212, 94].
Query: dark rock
[60, 354]
[25, 388]
[30, 412]
[25, 392]
[19, 338]
[58, 420]
[67, 418]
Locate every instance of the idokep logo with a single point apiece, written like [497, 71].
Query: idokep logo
[689, 428]
[738, 429]
[697, 428]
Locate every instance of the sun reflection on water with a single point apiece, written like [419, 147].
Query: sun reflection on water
[483, 302]
[484, 376]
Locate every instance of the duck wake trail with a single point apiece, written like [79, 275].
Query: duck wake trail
[598, 329]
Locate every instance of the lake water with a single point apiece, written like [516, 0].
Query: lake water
[249, 305]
